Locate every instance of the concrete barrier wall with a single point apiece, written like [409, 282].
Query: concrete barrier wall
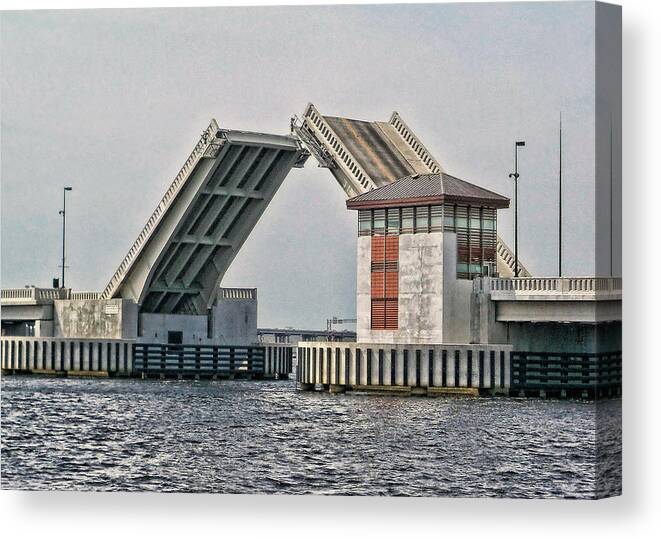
[66, 356]
[428, 367]
[278, 360]
[107, 357]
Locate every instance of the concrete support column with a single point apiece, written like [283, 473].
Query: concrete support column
[29, 348]
[487, 370]
[312, 365]
[337, 365]
[426, 370]
[410, 367]
[36, 354]
[112, 358]
[20, 355]
[123, 358]
[438, 366]
[475, 382]
[450, 367]
[346, 366]
[68, 358]
[43, 355]
[76, 361]
[463, 368]
[497, 371]
[507, 370]
[104, 357]
[129, 359]
[94, 357]
[352, 366]
[387, 366]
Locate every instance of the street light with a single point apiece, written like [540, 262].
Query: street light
[64, 229]
[517, 144]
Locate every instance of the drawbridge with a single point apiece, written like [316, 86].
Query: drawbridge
[364, 155]
[178, 260]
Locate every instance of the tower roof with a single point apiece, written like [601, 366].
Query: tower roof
[423, 189]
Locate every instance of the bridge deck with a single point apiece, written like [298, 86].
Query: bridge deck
[180, 257]
[363, 155]
[553, 299]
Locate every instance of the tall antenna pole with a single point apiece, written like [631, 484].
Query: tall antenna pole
[515, 175]
[63, 213]
[516, 211]
[560, 205]
[64, 231]
[611, 193]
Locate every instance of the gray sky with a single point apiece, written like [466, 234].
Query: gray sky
[112, 101]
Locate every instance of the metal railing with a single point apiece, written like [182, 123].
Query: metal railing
[179, 359]
[551, 370]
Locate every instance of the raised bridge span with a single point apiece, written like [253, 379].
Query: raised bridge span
[363, 155]
[178, 260]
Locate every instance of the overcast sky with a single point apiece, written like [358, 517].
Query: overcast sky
[111, 102]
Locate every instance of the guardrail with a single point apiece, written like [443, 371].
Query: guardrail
[507, 256]
[414, 143]
[551, 286]
[85, 295]
[34, 295]
[238, 293]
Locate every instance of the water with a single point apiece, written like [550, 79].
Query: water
[266, 437]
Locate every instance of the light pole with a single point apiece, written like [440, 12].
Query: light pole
[515, 175]
[560, 204]
[63, 213]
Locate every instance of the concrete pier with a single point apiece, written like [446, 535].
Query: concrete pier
[457, 370]
[422, 369]
[78, 357]
[110, 358]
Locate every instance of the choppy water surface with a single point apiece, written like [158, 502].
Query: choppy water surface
[265, 437]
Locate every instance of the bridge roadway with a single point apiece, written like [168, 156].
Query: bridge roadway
[294, 336]
[363, 155]
[554, 299]
[178, 260]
